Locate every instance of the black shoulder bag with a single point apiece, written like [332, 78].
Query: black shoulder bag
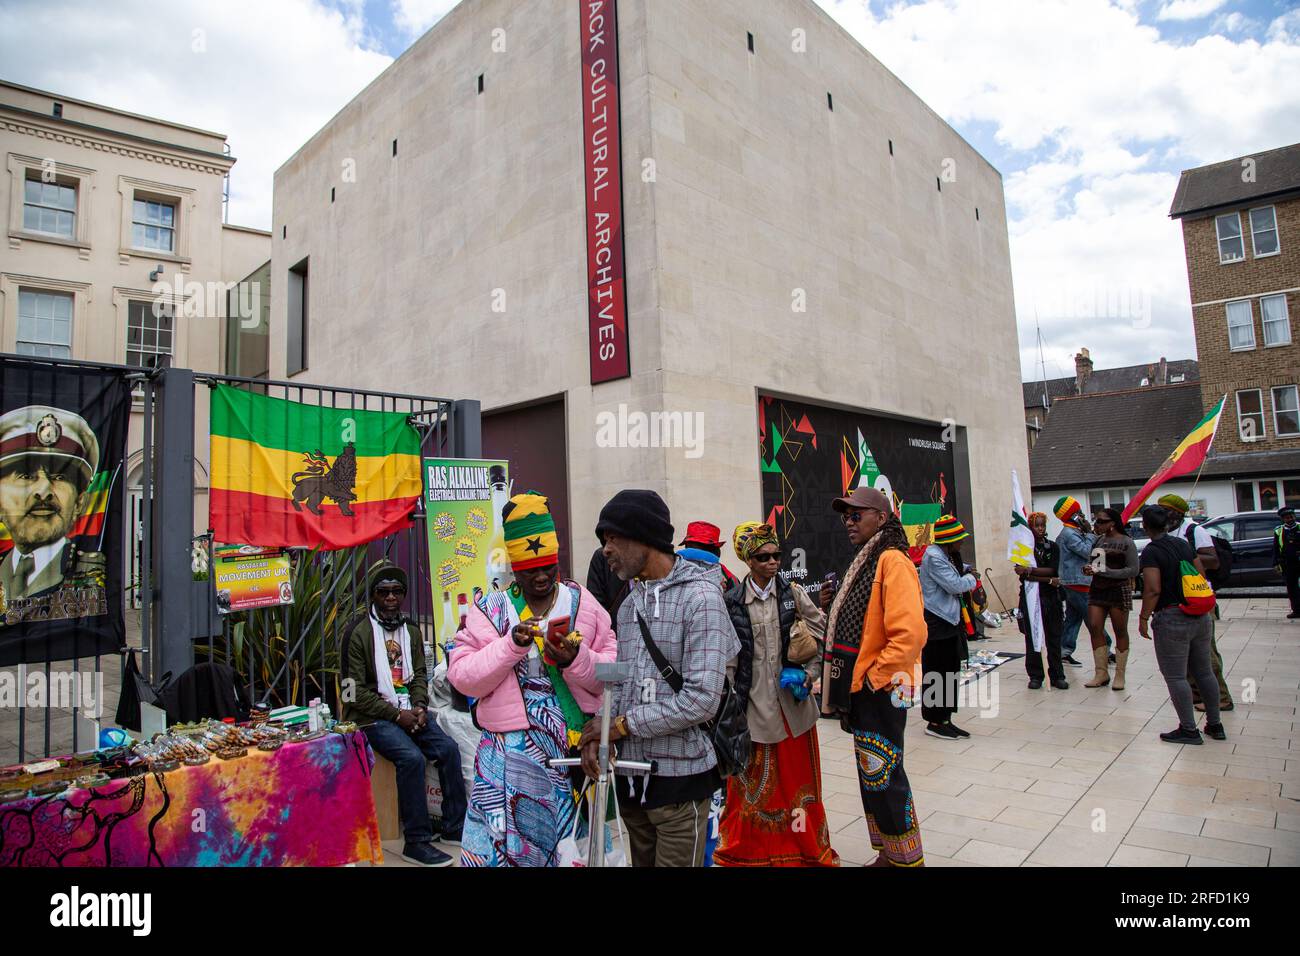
[728, 731]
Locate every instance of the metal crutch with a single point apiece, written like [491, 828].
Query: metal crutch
[609, 675]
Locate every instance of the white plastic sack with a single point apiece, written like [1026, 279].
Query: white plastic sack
[460, 728]
[573, 847]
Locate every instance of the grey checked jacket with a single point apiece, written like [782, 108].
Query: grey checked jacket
[688, 620]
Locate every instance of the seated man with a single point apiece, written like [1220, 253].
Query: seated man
[385, 690]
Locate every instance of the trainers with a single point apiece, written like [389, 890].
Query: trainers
[1061, 684]
[1069, 659]
[425, 854]
[1035, 683]
[1216, 732]
[942, 731]
[957, 730]
[1181, 736]
[450, 838]
[1294, 616]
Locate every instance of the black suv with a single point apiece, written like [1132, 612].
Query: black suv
[1251, 535]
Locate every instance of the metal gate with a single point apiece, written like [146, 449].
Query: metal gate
[281, 655]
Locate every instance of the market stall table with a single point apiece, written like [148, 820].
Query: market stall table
[305, 804]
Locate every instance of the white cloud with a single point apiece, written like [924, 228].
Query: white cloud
[270, 73]
[1098, 114]
[413, 17]
[1188, 9]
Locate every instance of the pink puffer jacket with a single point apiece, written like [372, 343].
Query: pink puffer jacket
[483, 662]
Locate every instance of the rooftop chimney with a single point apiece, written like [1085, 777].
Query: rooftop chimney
[1162, 377]
[1082, 370]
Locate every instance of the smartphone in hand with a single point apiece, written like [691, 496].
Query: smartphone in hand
[557, 630]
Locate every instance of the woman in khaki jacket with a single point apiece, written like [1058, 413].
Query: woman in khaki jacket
[773, 815]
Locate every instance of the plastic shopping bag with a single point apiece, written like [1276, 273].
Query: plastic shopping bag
[572, 849]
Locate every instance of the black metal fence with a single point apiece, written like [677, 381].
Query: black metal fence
[282, 655]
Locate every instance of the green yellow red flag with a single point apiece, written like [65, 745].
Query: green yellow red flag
[1183, 460]
[287, 474]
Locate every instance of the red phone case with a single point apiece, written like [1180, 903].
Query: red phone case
[557, 629]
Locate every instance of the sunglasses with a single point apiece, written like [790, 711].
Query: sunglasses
[853, 517]
[386, 591]
[767, 556]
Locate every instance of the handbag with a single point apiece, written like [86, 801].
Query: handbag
[728, 731]
[803, 647]
[136, 689]
[573, 847]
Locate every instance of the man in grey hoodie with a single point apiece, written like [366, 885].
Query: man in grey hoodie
[666, 814]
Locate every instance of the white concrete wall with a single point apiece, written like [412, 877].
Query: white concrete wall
[763, 190]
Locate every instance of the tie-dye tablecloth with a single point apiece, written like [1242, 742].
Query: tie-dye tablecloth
[306, 804]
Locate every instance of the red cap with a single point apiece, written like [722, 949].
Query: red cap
[701, 532]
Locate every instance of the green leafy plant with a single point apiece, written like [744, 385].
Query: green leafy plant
[263, 645]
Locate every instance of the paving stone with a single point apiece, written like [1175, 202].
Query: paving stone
[1127, 855]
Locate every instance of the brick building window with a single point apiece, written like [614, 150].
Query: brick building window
[1241, 325]
[1250, 414]
[1231, 246]
[1263, 231]
[1277, 323]
[1286, 411]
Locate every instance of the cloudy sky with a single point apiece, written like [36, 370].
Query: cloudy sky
[1090, 108]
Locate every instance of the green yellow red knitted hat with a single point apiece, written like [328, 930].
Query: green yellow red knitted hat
[1067, 509]
[948, 530]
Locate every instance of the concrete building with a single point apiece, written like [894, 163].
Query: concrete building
[1241, 230]
[107, 213]
[818, 283]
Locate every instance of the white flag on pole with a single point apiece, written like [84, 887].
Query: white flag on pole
[1020, 550]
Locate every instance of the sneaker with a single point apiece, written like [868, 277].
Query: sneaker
[1069, 659]
[1216, 732]
[425, 854]
[451, 839]
[1181, 736]
[942, 731]
[1035, 683]
[1294, 616]
[1061, 684]
[957, 730]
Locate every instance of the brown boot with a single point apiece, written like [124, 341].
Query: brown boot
[1100, 659]
[1121, 662]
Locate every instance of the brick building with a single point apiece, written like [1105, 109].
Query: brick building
[1241, 230]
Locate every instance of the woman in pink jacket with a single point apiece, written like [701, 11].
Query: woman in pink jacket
[533, 696]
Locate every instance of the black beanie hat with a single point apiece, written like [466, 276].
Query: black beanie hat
[639, 515]
[387, 572]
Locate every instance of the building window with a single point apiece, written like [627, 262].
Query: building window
[1277, 323]
[1263, 231]
[1291, 491]
[150, 335]
[1177, 379]
[153, 225]
[1286, 411]
[1241, 325]
[1246, 496]
[44, 324]
[299, 299]
[1268, 496]
[1096, 501]
[1250, 414]
[1231, 247]
[50, 208]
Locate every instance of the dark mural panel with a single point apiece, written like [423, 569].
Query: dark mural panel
[812, 454]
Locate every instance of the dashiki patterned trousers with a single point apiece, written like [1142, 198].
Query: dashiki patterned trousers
[773, 815]
[520, 808]
[886, 795]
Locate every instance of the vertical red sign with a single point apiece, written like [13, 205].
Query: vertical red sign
[602, 159]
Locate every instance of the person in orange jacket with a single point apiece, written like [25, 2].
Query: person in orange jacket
[874, 638]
